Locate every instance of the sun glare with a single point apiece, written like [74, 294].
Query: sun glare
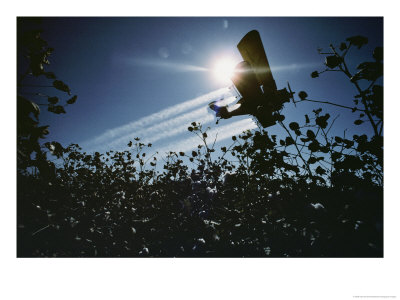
[223, 70]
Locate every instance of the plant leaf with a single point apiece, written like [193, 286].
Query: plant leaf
[72, 100]
[59, 85]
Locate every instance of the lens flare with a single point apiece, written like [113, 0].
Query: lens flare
[223, 70]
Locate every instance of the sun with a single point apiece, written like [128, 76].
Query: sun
[223, 70]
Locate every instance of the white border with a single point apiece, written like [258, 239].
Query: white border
[197, 278]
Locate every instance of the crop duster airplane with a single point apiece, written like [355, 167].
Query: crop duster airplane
[254, 81]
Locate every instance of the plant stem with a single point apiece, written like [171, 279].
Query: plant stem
[327, 102]
[298, 151]
[34, 85]
[343, 67]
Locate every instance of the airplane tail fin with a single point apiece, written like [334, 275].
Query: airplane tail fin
[220, 111]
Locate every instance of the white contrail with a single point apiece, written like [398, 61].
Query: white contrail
[112, 134]
[275, 69]
[179, 67]
[293, 66]
[165, 129]
[224, 132]
[170, 127]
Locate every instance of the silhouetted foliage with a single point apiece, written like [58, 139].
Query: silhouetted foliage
[303, 194]
[33, 58]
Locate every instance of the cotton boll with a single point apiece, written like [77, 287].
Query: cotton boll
[216, 237]
[196, 186]
[211, 192]
[144, 252]
[228, 178]
[318, 206]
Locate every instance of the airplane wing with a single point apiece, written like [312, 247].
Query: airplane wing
[252, 51]
[246, 83]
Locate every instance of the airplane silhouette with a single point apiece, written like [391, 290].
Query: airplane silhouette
[254, 81]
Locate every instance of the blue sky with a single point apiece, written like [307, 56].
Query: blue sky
[151, 77]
